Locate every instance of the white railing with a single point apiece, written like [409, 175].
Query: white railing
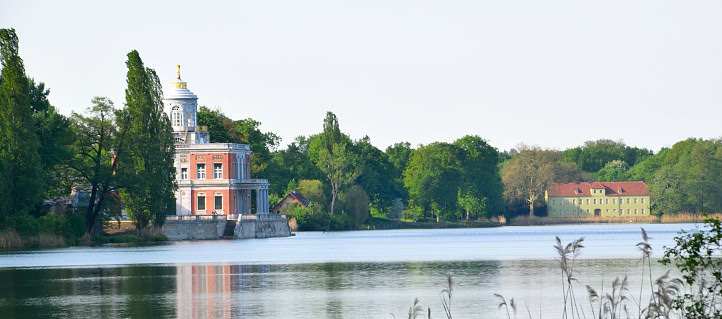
[195, 217]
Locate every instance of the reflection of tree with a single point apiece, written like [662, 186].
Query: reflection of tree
[144, 287]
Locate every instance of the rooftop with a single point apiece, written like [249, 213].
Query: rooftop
[635, 188]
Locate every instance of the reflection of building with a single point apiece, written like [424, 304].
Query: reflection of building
[213, 178]
[203, 291]
[598, 199]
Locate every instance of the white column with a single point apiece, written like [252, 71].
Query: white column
[261, 201]
[238, 166]
[265, 200]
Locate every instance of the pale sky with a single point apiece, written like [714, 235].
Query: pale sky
[550, 73]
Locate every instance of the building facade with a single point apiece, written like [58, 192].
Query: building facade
[598, 199]
[213, 178]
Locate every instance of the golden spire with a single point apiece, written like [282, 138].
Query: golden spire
[179, 84]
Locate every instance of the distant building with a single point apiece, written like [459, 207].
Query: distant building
[598, 199]
[213, 178]
[291, 199]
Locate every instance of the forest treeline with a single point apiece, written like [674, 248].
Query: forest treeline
[466, 179]
[118, 155]
[126, 152]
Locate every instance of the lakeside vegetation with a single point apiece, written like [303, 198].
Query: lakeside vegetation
[124, 155]
[696, 294]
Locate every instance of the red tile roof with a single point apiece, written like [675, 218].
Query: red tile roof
[611, 189]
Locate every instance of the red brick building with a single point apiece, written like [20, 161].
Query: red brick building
[213, 178]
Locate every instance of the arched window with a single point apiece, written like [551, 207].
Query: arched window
[176, 116]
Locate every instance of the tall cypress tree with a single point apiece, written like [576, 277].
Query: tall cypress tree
[148, 161]
[20, 168]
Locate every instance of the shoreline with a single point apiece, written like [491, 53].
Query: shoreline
[652, 219]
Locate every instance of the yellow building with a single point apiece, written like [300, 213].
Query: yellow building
[598, 199]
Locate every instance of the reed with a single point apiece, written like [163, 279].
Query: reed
[10, 240]
[617, 302]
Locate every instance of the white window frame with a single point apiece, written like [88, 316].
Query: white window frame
[201, 173]
[184, 173]
[217, 170]
[198, 202]
[176, 116]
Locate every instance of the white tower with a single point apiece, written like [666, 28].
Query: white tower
[181, 105]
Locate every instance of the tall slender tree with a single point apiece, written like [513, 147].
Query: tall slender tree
[20, 166]
[335, 159]
[147, 164]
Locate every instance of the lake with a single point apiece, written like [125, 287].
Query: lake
[357, 274]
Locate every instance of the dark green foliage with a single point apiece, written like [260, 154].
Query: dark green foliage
[355, 204]
[698, 257]
[687, 177]
[481, 173]
[221, 129]
[94, 164]
[147, 163]
[432, 177]
[71, 227]
[615, 170]
[399, 155]
[593, 155]
[21, 170]
[291, 164]
[376, 174]
[55, 138]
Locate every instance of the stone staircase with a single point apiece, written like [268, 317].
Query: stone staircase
[229, 230]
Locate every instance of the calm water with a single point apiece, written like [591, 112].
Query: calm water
[363, 274]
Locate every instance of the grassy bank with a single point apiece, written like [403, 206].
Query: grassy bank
[11, 240]
[43, 236]
[664, 219]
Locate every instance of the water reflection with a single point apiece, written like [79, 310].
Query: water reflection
[333, 290]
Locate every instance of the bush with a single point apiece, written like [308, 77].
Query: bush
[25, 225]
[50, 230]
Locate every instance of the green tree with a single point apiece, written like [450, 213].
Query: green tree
[55, 138]
[376, 174]
[613, 171]
[592, 156]
[399, 155]
[479, 162]
[20, 164]
[473, 205]
[696, 255]
[432, 177]
[689, 177]
[355, 203]
[313, 190]
[147, 169]
[331, 153]
[340, 170]
[222, 129]
[292, 163]
[95, 161]
[219, 126]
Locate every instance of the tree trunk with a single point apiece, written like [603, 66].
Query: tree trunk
[531, 208]
[333, 197]
[89, 212]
